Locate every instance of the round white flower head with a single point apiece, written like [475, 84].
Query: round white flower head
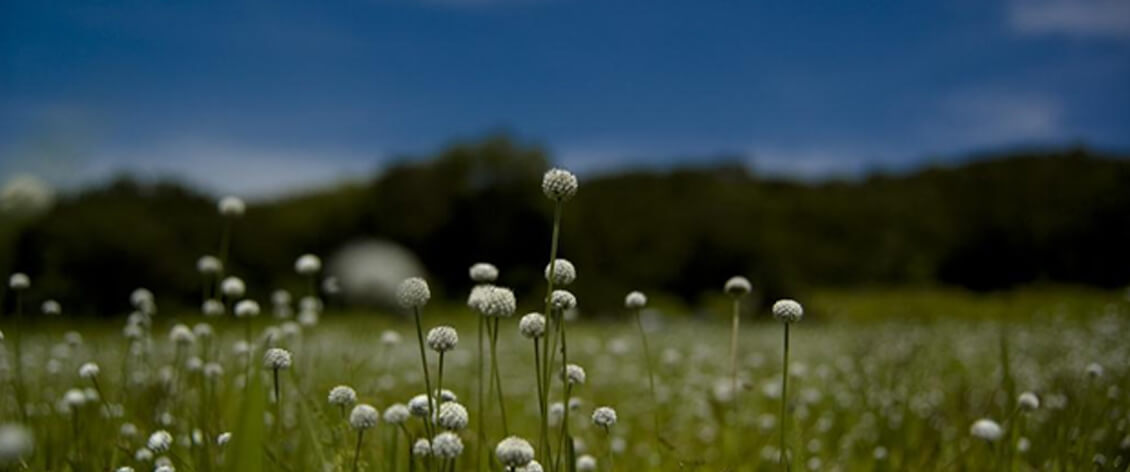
[499, 302]
[231, 207]
[442, 338]
[563, 272]
[202, 330]
[213, 370]
[51, 308]
[422, 448]
[223, 438]
[342, 395]
[514, 452]
[246, 308]
[604, 417]
[363, 417]
[1094, 370]
[586, 463]
[143, 455]
[280, 297]
[128, 430]
[737, 286]
[532, 325]
[276, 358]
[788, 311]
[1028, 401]
[308, 264]
[16, 443]
[165, 468]
[19, 281]
[233, 287]
[160, 441]
[209, 265]
[533, 466]
[477, 299]
[446, 395]
[182, 335]
[89, 370]
[559, 185]
[413, 293]
[986, 429]
[635, 300]
[574, 374]
[447, 445]
[141, 297]
[124, 468]
[418, 405]
[484, 273]
[212, 308]
[562, 300]
[396, 414]
[390, 337]
[452, 416]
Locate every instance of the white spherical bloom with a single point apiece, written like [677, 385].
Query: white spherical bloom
[484, 273]
[202, 330]
[390, 337]
[181, 335]
[1028, 401]
[280, 297]
[413, 293]
[128, 430]
[342, 395]
[559, 185]
[16, 443]
[986, 429]
[194, 364]
[143, 455]
[1094, 370]
[442, 338]
[738, 286]
[397, 413]
[499, 302]
[51, 308]
[308, 264]
[213, 370]
[562, 300]
[422, 448]
[477, 299]
[124, 468]
[212, 308]
[574, 374]
[246, 308]
[604, 417]
[310, 303]
[233, 287]
[446, 395]
[89, 370]
[209, 265]
[533, 466]
[231, 207]
[73, 398]
[586, 463]
[447, 445]
[19, 281]
[363, 417]
[141, 297]
[1023, 444]
[564, 273]
[514, 452]
[223, 438]
[635, 300]
[160, 441]
[418, 405]
[788, 311]
[452, 416]
[532, 325]
[276, 358]
[308, 319]
[165, 468]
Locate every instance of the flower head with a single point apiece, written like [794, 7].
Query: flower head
[586, 463]
[223, 438]
[209, 265]
[604, 417]
[363, 417]
[532, 325]
[422, 448]
[233, 287]
[562, 300]
[788, 311]
[231, 207]
[635, 300]
[419, 406]
[342, 395]
[246, 308]
[533, 466]
[483, 273]
[1094, 370]
[514, 452]
[212, 308]
[986, 429]
[442, 338]
[561, 272]
[574, 374]
[51, 308]
[559, 185]
[447, 445]
[160, 441]
[396, 414]
[737, 286]
[413, 293]
[452, 416]
[276, 358]
[89, 370]
[19, 281]
[16, 443]
[1028, 401]
[499, 302]
[308, 264]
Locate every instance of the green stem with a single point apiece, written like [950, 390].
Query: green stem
[734, 350]
[785, 400]
[546, 352]
[650, 372]
[357, 451]
[481, 409]
[427, 382]
[498, 376]
[543, 440]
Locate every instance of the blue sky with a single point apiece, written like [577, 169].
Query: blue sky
[261, 98]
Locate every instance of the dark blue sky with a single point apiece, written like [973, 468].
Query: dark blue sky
[258, 98]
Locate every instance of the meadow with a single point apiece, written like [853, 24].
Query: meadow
[869, 380]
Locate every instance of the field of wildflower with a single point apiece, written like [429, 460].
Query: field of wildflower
[879, 382]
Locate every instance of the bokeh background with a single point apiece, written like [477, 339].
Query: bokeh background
[960, 147]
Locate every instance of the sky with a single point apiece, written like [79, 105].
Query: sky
[263, 98]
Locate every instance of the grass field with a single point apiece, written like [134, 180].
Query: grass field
[878, 381]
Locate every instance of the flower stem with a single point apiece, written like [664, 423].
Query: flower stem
[543, 440]
[498, 376]
[650, 372]
[481, 437]
[427, 381]
[785, 400]
[357, 451]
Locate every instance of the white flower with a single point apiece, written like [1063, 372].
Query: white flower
[562, 300]
[442, 338]
[231, 207]
[788, 311]
[452, 416]
[559, 185]
[246, 308]
[223, 438]
[514, 452]
[396, 414]
[88, 370]
[16, 443]
[165, 468]
[563, 272]
[209, 265]
[532, 325]
[635, 300]
[74, 398]
[447, 445]
[738, 286]
[212, 308]
[141, 298]
[421, 448]
[446, 395]
[1028, 401]
[413, 293]
[1094, 370]
[342, 395]
[533, 466]
[160, 441]
[986, 429]
[574, 374]
[418, 405]
[586, 463]
[213, 370]
[19, 281]
[202, 330]
[308, 264]
[499, 302]
[143, 455]
[363, 417]
[390, 337]
[1023, 444]
[233, 287]
[124, 468]
[181, 335]
[51, 308]
[484, 273]
[604, 417]
[128, 430]
[276, 358]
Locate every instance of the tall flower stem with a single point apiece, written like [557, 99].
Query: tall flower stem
[481, 437]
[439, 381]
[546, 352]
[427, 381]
[357, 451]
[734, 349]
[650, 371]
[785, 400]
[543, 440]
[19, 377]
[225, 243]
[564, 429]
[497, 376]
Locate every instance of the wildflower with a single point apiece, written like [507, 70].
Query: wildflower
[73, 399]
[574, 374]
[141, 298]
[422, 448]
[635, 300]
[447, 445]
[586, 463]
[514, 452]
[363, 417]
[202, 330]
[442, 338]
[276, 358]
[308, 264]
[88, 370]
[16, 443]
[1028, 401]
[484, 273]
[533, 466]
[213, 370]
[788, 311]
[181, 335]
[452, 416]
[986, 429]
[419, 405]
[737, 286]
[51, 308]
[223, 438]
[209, 265]
[532, 325]
[562, 300]
[19, 282]
[160, 441]
[127, 430]
[342, 396]
[559, 185]
[246, 309]
[233, 287]
[390, 337]
[396, 414]
[232, 207]
[413, 293]
[1094, 370]
[212, 308]
[562, 271]
[604, 417]
[499, 302]
[143, 455]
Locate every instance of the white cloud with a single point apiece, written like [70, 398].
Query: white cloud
[994, 118]
[1084, 18]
